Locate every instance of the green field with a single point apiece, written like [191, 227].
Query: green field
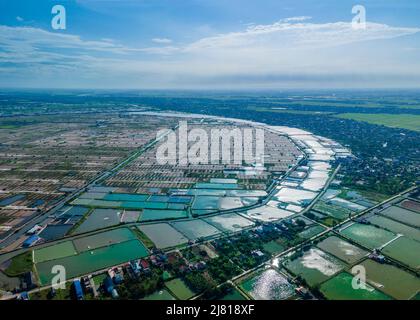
[405, 121]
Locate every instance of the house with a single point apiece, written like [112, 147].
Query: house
[153, 260]
[377, 257]
[161, 257]
[259, 230]
[145, 265]
[200, 265]
[108, 285]
[303, 292]
[86, 284]
[28, 280]
[34, 230]
[182, 269]
[118, 278]
[135, 266]
[24, 296]
[78, 292]
[257, 254]
[32, 240]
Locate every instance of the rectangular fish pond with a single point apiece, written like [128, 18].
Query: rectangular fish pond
[340, 288]
[100, 218]
[342, 249]
[315, 266]
[268, 285]
[368, 235]
[195, 229]
[394, 281]
[230, 222]
[92, 260]
[163, 235]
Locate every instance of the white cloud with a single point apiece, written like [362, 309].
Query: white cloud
[162, 40]
[20, 19]
[284, 34]
[291, 50]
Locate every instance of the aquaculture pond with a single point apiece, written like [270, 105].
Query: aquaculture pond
[295, 196]
[93, 260]
[342, 249]
[347, 204]
[60, 250]
[402, 215]
[331, 210]
[268, 285]
[143, 205]
[55, 231]
[229, 222]
[126, 197]
[100, 218]
[404, 250]
[152, 214]
[340, 288]
[130, 216]
[97, 203]
[315, 266]
[268, 213]
[395, 226]
[368, 235]
[209, 185]
[206, 202]
[10, 200]
[163, 235]
[194, 229]
[103, 239]
[411, 205]
[393, 281]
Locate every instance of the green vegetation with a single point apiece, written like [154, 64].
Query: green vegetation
[222, 269]
[134, 290]
[143, 238]
[20, 264]
[199, 282]
[8, 126]
[291, 111]
[60, 294]
[404, 121]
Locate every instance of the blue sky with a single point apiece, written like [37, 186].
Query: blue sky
[209, 44]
